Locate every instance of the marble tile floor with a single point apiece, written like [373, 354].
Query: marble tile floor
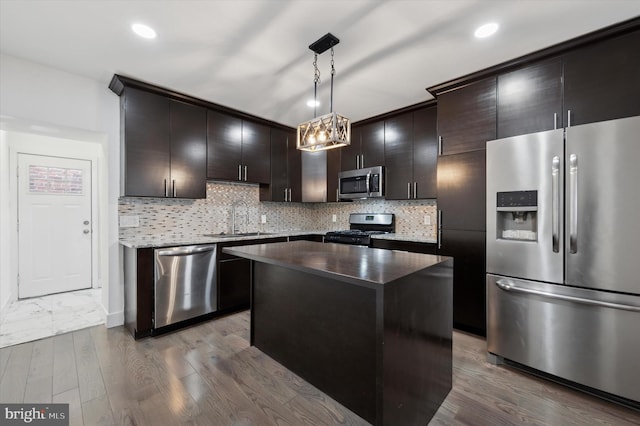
[39, 317]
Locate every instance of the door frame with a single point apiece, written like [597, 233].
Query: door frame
[54, 146]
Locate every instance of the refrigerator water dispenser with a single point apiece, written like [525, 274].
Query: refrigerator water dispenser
[517, 215]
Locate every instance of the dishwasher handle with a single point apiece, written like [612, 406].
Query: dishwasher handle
[185, 251]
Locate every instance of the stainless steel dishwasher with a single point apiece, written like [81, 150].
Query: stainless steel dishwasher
[185, 283]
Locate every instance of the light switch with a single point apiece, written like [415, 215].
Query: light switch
[334, 218]
[263, 218]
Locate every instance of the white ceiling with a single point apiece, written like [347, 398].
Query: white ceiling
[253, 55]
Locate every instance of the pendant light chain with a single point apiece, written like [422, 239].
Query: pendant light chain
[333, 71]
[316, 80]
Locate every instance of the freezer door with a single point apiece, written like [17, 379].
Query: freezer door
[531, 163]
[603, 205]
[586, 336]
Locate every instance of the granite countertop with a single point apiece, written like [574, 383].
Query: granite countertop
[148, 241]
[405, 237]
[177, 240]
[355, 264]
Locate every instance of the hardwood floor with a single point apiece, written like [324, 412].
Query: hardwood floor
[209, 375]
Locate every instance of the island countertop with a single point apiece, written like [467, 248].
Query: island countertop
[370, 327]
[355, 264]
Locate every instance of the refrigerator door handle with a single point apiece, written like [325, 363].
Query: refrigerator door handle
[573, 203]
[439, 229]
[510, 286]
[555, 203]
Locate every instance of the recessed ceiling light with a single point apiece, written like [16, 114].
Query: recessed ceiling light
[486, 30]
[143, 30]
[313, 103]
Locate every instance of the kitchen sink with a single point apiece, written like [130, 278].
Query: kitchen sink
[239, 234]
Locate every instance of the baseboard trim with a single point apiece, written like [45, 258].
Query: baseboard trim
[114, 319]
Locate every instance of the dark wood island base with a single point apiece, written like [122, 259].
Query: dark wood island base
[370, 327]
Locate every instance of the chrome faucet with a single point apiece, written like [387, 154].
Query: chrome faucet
[234, 208]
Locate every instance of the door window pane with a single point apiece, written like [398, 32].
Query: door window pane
[55, 180]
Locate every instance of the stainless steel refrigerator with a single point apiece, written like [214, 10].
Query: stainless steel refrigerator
[563, 254]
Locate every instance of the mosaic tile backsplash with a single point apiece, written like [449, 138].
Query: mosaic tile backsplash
[183, 218]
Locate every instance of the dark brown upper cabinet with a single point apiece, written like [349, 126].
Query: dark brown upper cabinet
[164, 146]
[467, 117]
[333, 168]
[237, 149]
[425, 151]
[350, 155]
[224, 146]
[461, 191]
[188, 150]
[147, 143]
[602, 81]
[278, 190]
[411, 152]
[294, 167]
[530, 99]
[367, 147]
[256, 152]
[286, 173]
[398, 157]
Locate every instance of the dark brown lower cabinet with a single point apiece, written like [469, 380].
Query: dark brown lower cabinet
[234, 285]
[469, 297]
[411, 246]
[234, 276]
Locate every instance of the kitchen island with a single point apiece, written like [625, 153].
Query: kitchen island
[370, 327]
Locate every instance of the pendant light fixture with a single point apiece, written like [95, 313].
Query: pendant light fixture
[330, 130]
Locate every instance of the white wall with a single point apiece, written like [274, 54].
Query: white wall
[5, 281]
[34, 94]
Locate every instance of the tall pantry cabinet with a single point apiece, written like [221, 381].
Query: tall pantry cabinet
[466, 121]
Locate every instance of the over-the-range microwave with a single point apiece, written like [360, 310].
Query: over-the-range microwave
[361, 183]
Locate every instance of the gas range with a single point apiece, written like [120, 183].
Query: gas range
[362, 226]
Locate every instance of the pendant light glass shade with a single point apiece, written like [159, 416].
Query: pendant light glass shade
[325, 132]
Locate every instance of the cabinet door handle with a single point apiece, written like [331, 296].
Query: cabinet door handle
[439, 145]
[285, 194]
[166, 194]
[245, 173]
[555, 120]
[357, 161]
[173, 184]
[289, 191]
[568, 118]
[239, 171]
[409, 190]
[362, 161]
[415, 189]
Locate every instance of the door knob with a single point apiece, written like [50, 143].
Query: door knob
[86, 231]
[86, 222]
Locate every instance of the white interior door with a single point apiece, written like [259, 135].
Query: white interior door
[54, 225]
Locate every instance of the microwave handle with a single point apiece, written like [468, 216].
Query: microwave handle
[368, 183]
